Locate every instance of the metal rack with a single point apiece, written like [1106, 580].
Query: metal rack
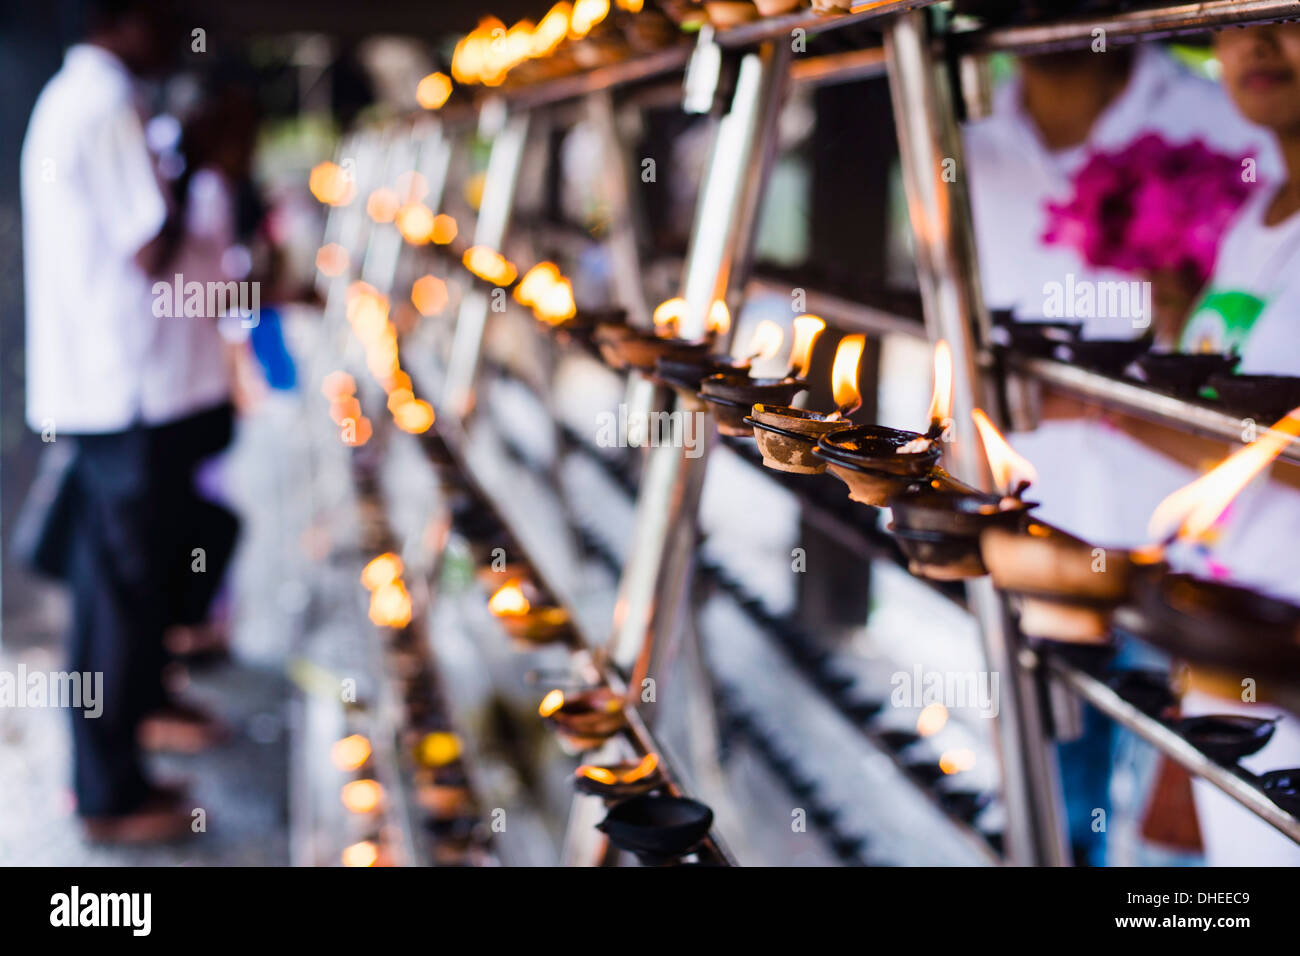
[920, 53]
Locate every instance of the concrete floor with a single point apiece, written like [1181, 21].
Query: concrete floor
[242, 786]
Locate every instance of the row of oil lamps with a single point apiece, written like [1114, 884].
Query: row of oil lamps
[645, 817]
[1068, 593]
[429, 745]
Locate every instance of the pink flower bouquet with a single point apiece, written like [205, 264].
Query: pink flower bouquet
[1151, 207]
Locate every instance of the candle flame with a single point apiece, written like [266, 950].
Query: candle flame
[490, 265]
[439, 748]
[844, 371]
[1009, 469]
[509, 600]
[433, 91]
[390, 605]
[806, 330]
[365, 853]
[413, 417]
[648, 765]
[668, 315]
[598, 774]
[551, 31]
[932, 719]
[351, 752]
[719, 322]
[362, 796]
[766, 340]
[444, 229]
[331, 184]
[941, 402]
[551, 703]
[535, 282]
[555, 304]
[415, 222]
[586, 14]
[382, 570]
[1190, 512]
[957, 761]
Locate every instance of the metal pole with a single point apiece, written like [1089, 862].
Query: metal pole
[930, 149]
[493, 220]
[622, 241]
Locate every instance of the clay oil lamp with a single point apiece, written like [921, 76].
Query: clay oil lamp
[657, 828]
[938, 525]
[1226, 738]
[1064, 589]
[1283, 788]
[517, 606]
[787, 435]
[1184, 373]
[1267, 396]
[878, 463]
[1224, 631]
[731, 396]
[1038, 339]
[685, 372]
[624, 347]
[1148, 690]
[621, 780]
[583, 719]
[1108, 356]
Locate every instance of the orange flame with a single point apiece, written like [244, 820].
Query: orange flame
[382, 570]
[719, 321]
[957, 761]
[668, 315]
[365, 853]
[390, 605]
[414, 417]
[415, 222]
[490, 265]
[766, 340]
[444, 229]
[351, 752]
[551, 31]
[551, 703]
[932, 719]
[1009, 469]
[1191, 511]
[429, 295]
[598, 774]
[844, 371]
[648, 765]
[941, 403]
[586, 14]
[806, 330]
[362, 796]
[509, 600]
[331, 184]
[555, 304]
[433, 91]
[535, 282]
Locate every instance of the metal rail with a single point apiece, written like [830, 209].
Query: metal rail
[1177, 748]
[1137, 25]
[1133, 397]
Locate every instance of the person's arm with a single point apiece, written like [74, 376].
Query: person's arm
[124, 189]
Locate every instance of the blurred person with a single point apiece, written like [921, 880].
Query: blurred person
[1251, 305]
[94, 217]
[1058, 109]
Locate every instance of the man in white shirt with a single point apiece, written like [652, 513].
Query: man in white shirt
[92, 215]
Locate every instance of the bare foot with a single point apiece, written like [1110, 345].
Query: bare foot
[160, 819]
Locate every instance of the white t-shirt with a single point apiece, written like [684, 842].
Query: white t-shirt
[91, 201]
[1013, 177]
[1252, 298]
[188, 352]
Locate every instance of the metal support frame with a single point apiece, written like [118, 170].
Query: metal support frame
[490, 230]
[929, 143]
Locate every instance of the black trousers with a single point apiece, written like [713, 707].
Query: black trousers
[136, 522]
